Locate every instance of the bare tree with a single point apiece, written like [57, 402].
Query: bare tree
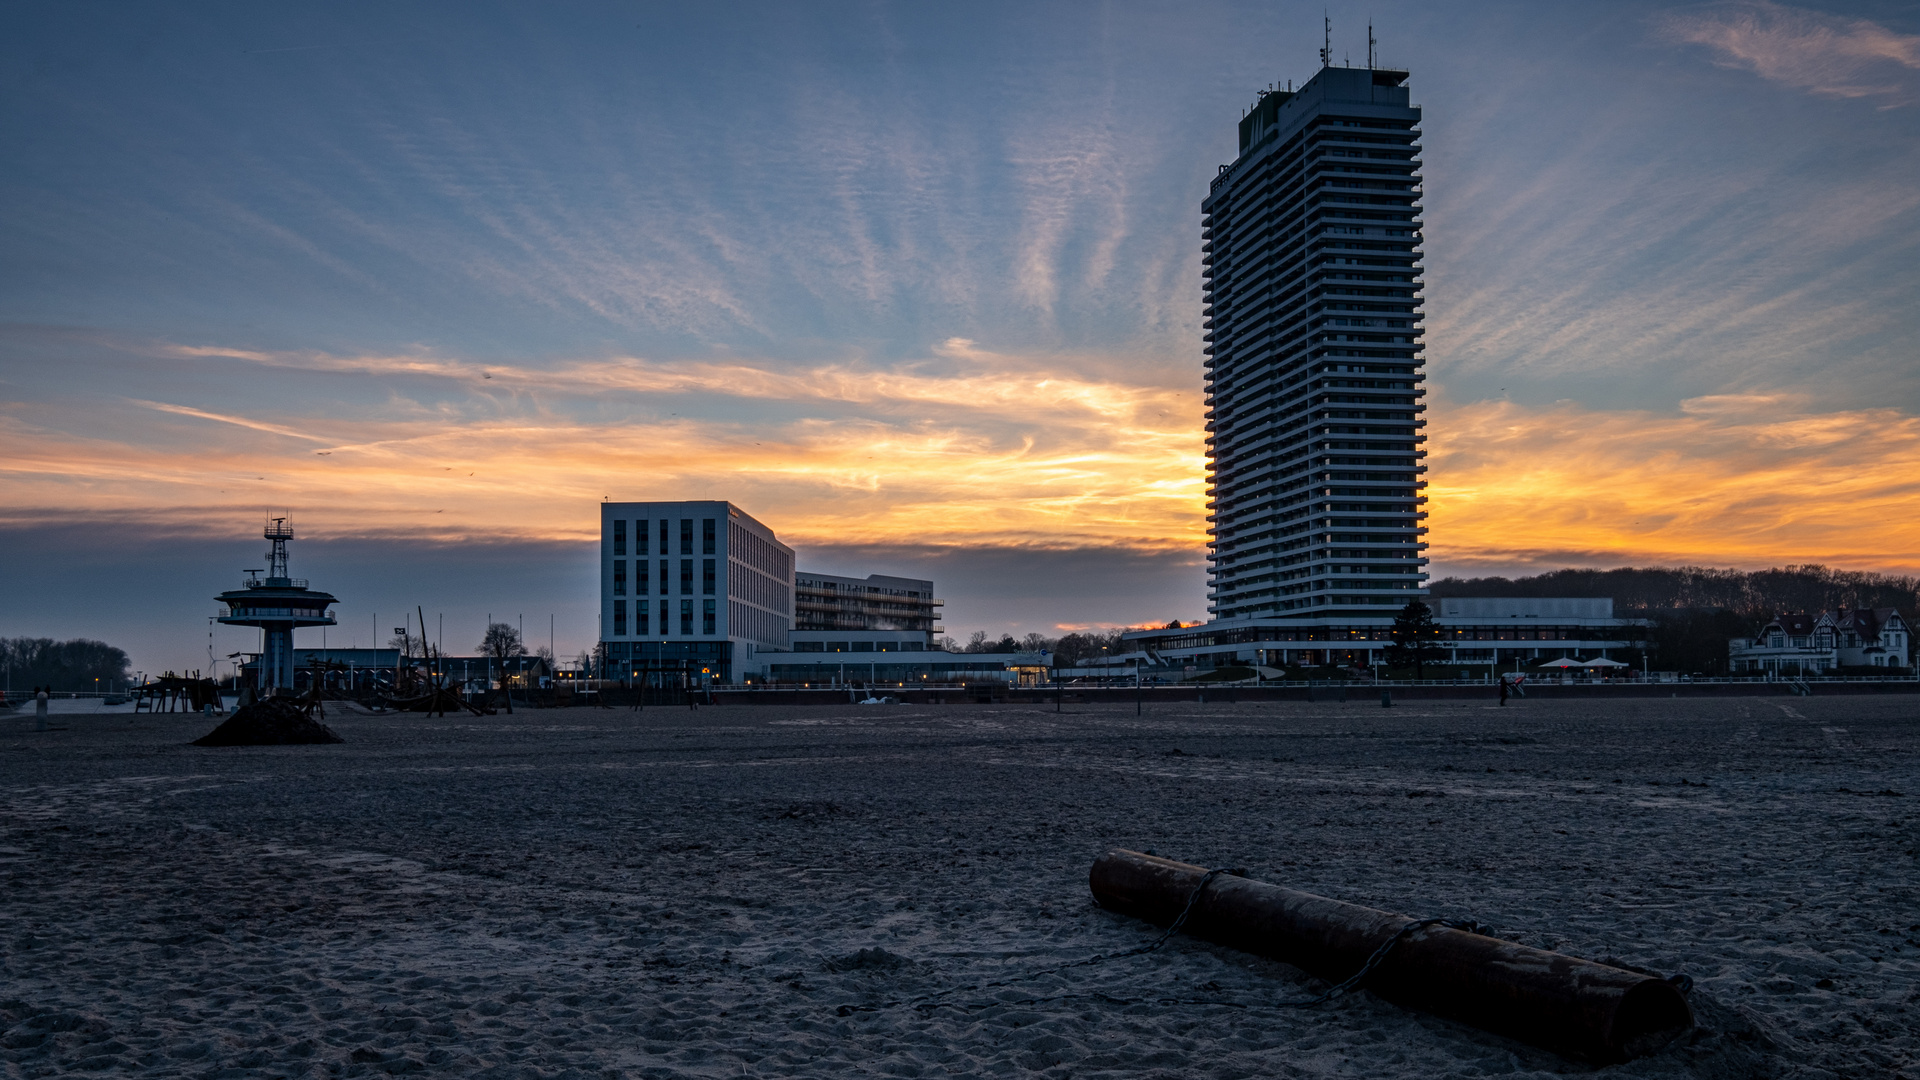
[1074, 649]
[502, 643]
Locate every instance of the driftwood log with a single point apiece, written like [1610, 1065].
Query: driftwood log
[1557, 1002]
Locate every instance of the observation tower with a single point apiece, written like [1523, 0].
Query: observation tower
[277, 604]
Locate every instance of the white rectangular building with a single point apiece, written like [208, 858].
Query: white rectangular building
[1473, 630]
[690, 590]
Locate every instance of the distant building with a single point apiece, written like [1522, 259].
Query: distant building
[1474, 630]
[362, 669]
[690, 589]
[855, 641]
[1786, 645]
[1796, 643]
[1868, 637]
[1500, 630]
[903, 669]
[477, 674]
[347, 669]
[878, 609]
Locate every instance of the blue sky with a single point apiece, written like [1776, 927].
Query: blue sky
[918, 285]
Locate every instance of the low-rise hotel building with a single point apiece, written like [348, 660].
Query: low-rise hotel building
[1474, 630]
[690, 589]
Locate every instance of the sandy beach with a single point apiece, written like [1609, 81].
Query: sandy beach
[672, 893]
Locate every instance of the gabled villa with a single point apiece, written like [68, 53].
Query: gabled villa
[1798, 643]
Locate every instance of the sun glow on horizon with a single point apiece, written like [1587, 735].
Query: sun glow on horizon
[970, 448]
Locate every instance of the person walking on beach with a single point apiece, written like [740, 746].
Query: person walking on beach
[1503, 691]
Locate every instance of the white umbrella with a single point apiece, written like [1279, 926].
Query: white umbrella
[1565, 662]
[1603, 662]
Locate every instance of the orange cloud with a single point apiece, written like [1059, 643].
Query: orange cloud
[1745, 480]
[991, 450]
[968, 448]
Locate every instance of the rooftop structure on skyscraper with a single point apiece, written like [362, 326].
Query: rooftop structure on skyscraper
[278, 604]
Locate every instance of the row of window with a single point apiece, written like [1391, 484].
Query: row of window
[709, 580]
[859, 646]
[754, 624]
[709, 618]
[1823, 641]
[264, 612]
[749, 547]
[709, 536]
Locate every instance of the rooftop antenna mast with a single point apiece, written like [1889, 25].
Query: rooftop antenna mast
[1326, 40]
[1370, 44]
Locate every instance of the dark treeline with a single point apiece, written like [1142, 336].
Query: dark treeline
[63, 665]
[1755, 595]
[1068, 650]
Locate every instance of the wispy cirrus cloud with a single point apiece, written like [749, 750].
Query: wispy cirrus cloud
[1821, 53]
[1628, 273]
[237, 421]
[961, 374]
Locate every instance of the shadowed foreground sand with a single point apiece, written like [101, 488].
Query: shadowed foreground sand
[669, 893]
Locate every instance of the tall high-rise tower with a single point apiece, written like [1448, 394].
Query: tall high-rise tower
[1311, 249]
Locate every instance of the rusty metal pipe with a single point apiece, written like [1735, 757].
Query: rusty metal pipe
[1557, 1002]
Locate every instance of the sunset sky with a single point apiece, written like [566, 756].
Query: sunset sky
[916, 285]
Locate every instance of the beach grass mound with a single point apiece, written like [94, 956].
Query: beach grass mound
[273, 722]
